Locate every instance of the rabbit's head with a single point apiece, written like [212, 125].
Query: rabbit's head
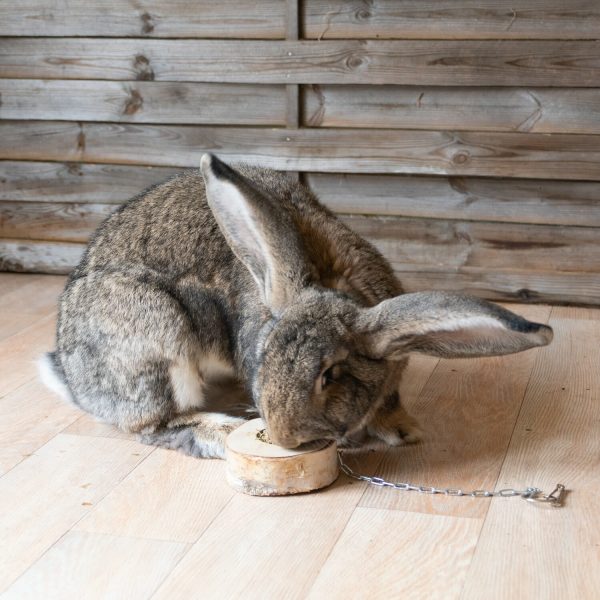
[322, 363]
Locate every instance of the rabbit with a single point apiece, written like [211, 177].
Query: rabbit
[241, 272]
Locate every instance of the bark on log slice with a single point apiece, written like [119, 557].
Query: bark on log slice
[260, 468]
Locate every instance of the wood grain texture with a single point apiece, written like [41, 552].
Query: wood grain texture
[30, 295]
[456, 452]
[470, 198]
[530, 155]
[76, 182]
[67, 222]
[452, 19]
[86, 424]
[47, 493]
[555, 440]
[102, 565]
[389, 552]
[168, 486]
[19, 352]
[30, 416]
[540, 110]
[11, 323]
[505, 284]
[143, 102]
[515, 285]
[468, 63]
[252, 528]
[31, 256]
[454, 244]
[323, 545]
[145, 18]
[445, 244]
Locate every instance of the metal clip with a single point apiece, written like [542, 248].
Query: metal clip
[554, 498]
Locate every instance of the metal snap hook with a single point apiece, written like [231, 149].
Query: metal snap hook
[554, 498]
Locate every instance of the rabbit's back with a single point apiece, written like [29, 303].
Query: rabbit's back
[167, 229]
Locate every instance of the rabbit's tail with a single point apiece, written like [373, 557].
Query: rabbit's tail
[53, 376]
[201, 434]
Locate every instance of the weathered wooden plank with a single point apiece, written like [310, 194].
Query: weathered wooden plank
[470, 198]
[31, 181]
[479, 63]
[448, 19]
[67, 222]
[515, 286]
[26, 256]
[499, 284]
[416, 243]
[143, 102]
[457, 244]
[450, 244]
[540, 110]
[146, 18]
[540, 156]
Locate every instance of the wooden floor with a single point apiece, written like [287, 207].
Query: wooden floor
[87, 512]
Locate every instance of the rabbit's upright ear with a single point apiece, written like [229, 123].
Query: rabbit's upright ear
[260, 233]
[446, 325]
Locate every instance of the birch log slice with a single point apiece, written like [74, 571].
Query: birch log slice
[260, 468]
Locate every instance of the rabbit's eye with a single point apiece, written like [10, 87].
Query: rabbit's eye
[330, 375]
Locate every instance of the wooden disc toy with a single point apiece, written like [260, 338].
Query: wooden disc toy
[256, 466]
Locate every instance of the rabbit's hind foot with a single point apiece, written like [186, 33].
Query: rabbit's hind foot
[199, 434]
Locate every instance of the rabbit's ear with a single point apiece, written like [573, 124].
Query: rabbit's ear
[260, 233]
[446, 325]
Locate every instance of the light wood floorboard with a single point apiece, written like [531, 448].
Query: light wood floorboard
[87, 511]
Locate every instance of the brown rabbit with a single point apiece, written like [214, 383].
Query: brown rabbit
[243, 273]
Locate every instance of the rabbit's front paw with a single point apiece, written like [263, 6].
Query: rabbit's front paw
[396, 428]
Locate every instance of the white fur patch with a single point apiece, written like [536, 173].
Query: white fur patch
[187, 386]
[474, 322]
[214, 367]
[222, 419]
[51, 379]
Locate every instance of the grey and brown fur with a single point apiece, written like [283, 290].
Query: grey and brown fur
[243, 273]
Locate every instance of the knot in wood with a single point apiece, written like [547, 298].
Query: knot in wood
[143, 70]
[354, 61]
[460, 158]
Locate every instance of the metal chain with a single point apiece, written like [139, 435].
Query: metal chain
[531, 494]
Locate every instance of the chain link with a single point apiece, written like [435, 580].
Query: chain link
[532, 494]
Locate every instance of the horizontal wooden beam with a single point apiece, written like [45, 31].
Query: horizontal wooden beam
[28, 256]
[30, 181]
[517, 285]
[532, 201]
[508, 285]
[452, 19]
[62, 221]
[322, 19]
[154, 18]
[529, 155]
[448, 244]
[454, 244]
[407, 62]
[143, 101]
[540, 110]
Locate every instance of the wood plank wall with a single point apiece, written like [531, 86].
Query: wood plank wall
[461, 136]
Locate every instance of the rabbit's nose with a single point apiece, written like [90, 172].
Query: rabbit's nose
[285, 441]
